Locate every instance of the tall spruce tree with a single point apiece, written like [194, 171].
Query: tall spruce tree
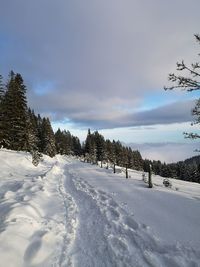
[5, 114]
[68, 143]
[89, 147]
[2, 95]
[31, 139]
[87, 142]
[100, 146]
[110, 152]
[15, 112]
[76, 146]
[2, 89]
[39, 131]
[48, 139]
[59, 142]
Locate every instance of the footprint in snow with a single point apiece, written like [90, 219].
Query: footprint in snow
[102, 192]
[34, 247]
[112, 214]
[112, 203]
[131, 223]
[124, 204]
[93, 192]
[103, 198]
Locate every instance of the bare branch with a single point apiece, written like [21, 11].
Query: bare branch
[192, 135]
[197, 36]
[189, 84]
[194, 73]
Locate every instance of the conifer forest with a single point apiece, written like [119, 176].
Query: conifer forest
[23, 130]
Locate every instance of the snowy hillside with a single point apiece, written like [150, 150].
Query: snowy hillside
[68, 213]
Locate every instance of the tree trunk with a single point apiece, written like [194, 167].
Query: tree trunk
[150, 179]
[126, 171]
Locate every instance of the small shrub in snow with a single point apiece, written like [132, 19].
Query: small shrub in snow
[36, 157]
[167, 183]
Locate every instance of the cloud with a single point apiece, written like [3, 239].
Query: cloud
[142, 128]
[177, 112]
[168, 114]
[88, 111]
[171, 113]
[100, 59]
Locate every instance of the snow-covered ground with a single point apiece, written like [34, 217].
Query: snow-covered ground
[68, 213]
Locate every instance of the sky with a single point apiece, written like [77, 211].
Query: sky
[103, 64]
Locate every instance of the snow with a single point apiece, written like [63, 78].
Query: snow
[68, 213]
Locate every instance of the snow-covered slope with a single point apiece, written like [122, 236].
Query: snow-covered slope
[67, 213]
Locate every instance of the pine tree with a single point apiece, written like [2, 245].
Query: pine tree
[59, 142]
[15, 112]
[5, 118]
[100, 146]
[87, 143]
[31, 139]
[76, 146]
[118, 151]
[112, 156]
[48, 139]
[108, 151]
[2, 89]
[146, 163]
[90, 149]
[39, 132]
[68, 143]
[138, 161]
[2, 95]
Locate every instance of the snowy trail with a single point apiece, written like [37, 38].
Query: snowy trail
[65, 213]
[108, 236]
[90, 244]
[70, 222]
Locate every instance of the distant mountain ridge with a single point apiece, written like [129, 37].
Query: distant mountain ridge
[193, 160]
